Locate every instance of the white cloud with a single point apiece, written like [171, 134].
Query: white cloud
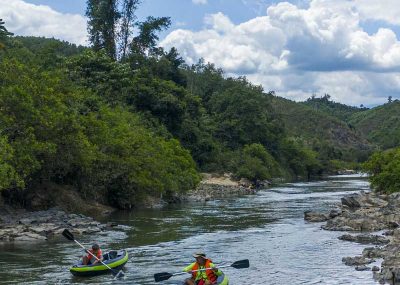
[199, 2]
[38, 20]
[297, 51]
[382, 10]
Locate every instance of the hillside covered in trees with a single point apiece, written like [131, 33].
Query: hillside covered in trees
[124, 119]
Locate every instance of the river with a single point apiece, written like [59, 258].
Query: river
[267, 228]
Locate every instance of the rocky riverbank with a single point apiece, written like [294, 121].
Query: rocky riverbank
[20, 225]
[373, 219]
[24, 226]
[221, 186]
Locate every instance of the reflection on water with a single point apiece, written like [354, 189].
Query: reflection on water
[267, 228]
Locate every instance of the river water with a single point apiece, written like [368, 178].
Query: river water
[267, 228]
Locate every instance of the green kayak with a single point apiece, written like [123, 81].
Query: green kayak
[114, 259]
[222, 280]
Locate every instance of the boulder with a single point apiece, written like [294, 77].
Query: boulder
[311, 216]
[375, 268]
[365, 239]
[351, 202]
[362, 268]
[357, 260]
[373, 252]
[29, 237]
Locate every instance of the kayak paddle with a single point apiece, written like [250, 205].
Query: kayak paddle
[66, 233]
[165, 275]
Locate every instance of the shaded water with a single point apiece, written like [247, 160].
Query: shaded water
[267, 228]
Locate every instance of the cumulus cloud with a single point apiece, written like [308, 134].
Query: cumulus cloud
[38, 20]
[297, 51]
[199, 2]
[382, 10]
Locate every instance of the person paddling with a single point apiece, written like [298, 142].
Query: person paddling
[202, 277]
[89, 258]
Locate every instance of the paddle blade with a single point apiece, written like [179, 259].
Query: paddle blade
[162, 276]
[66, 233]
[120, 274]
[241, 264]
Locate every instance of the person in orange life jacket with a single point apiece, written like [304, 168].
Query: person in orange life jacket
[204, 277]
[89, 258]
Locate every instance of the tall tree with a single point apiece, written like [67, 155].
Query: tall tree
[128, 19]
[102, 25]
[4, 34]
[145, 42]
[111, 24]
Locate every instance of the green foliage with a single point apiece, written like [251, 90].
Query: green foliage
[241, 113]
[329, 137]
[55, 131]
[8, 176]
[4, 34]
[164, 99]
[168, 67]
[204, 80]
[45, 47]
[256, 164]
[334, 109]
[299, 159]
[128, 18]
[131, 162]
[46, 53]
[40, 120]
[380, 125]
[111, 24]
[147, 39]
[384, 168]
[111, 80]
[103, 17]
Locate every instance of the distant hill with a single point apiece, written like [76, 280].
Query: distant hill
[42, 52]
[41, 45]
[338, 110]
[323, 129]
[380, 125]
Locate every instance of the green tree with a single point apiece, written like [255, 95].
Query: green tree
[128, 19]
[298, 159]
[203, 80]
[144, 45]
[103, 17]
[243, 115]
[384, 168]
[111, 24]
[132, 162]
[40, 115]
[112, 80]
[146, 41]
[255, 164]
[4, 34]
[8, 176]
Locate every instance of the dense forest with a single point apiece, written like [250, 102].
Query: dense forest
[124, 119]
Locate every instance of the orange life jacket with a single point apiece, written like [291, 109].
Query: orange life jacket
[210, 273]
[98, 255]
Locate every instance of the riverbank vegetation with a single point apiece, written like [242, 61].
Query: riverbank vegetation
[384, 168]
[124, 119]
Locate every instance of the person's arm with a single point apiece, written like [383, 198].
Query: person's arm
[216, 270]
[189, 267]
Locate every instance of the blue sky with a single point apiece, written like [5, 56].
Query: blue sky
[347, 48]
[182, 12]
